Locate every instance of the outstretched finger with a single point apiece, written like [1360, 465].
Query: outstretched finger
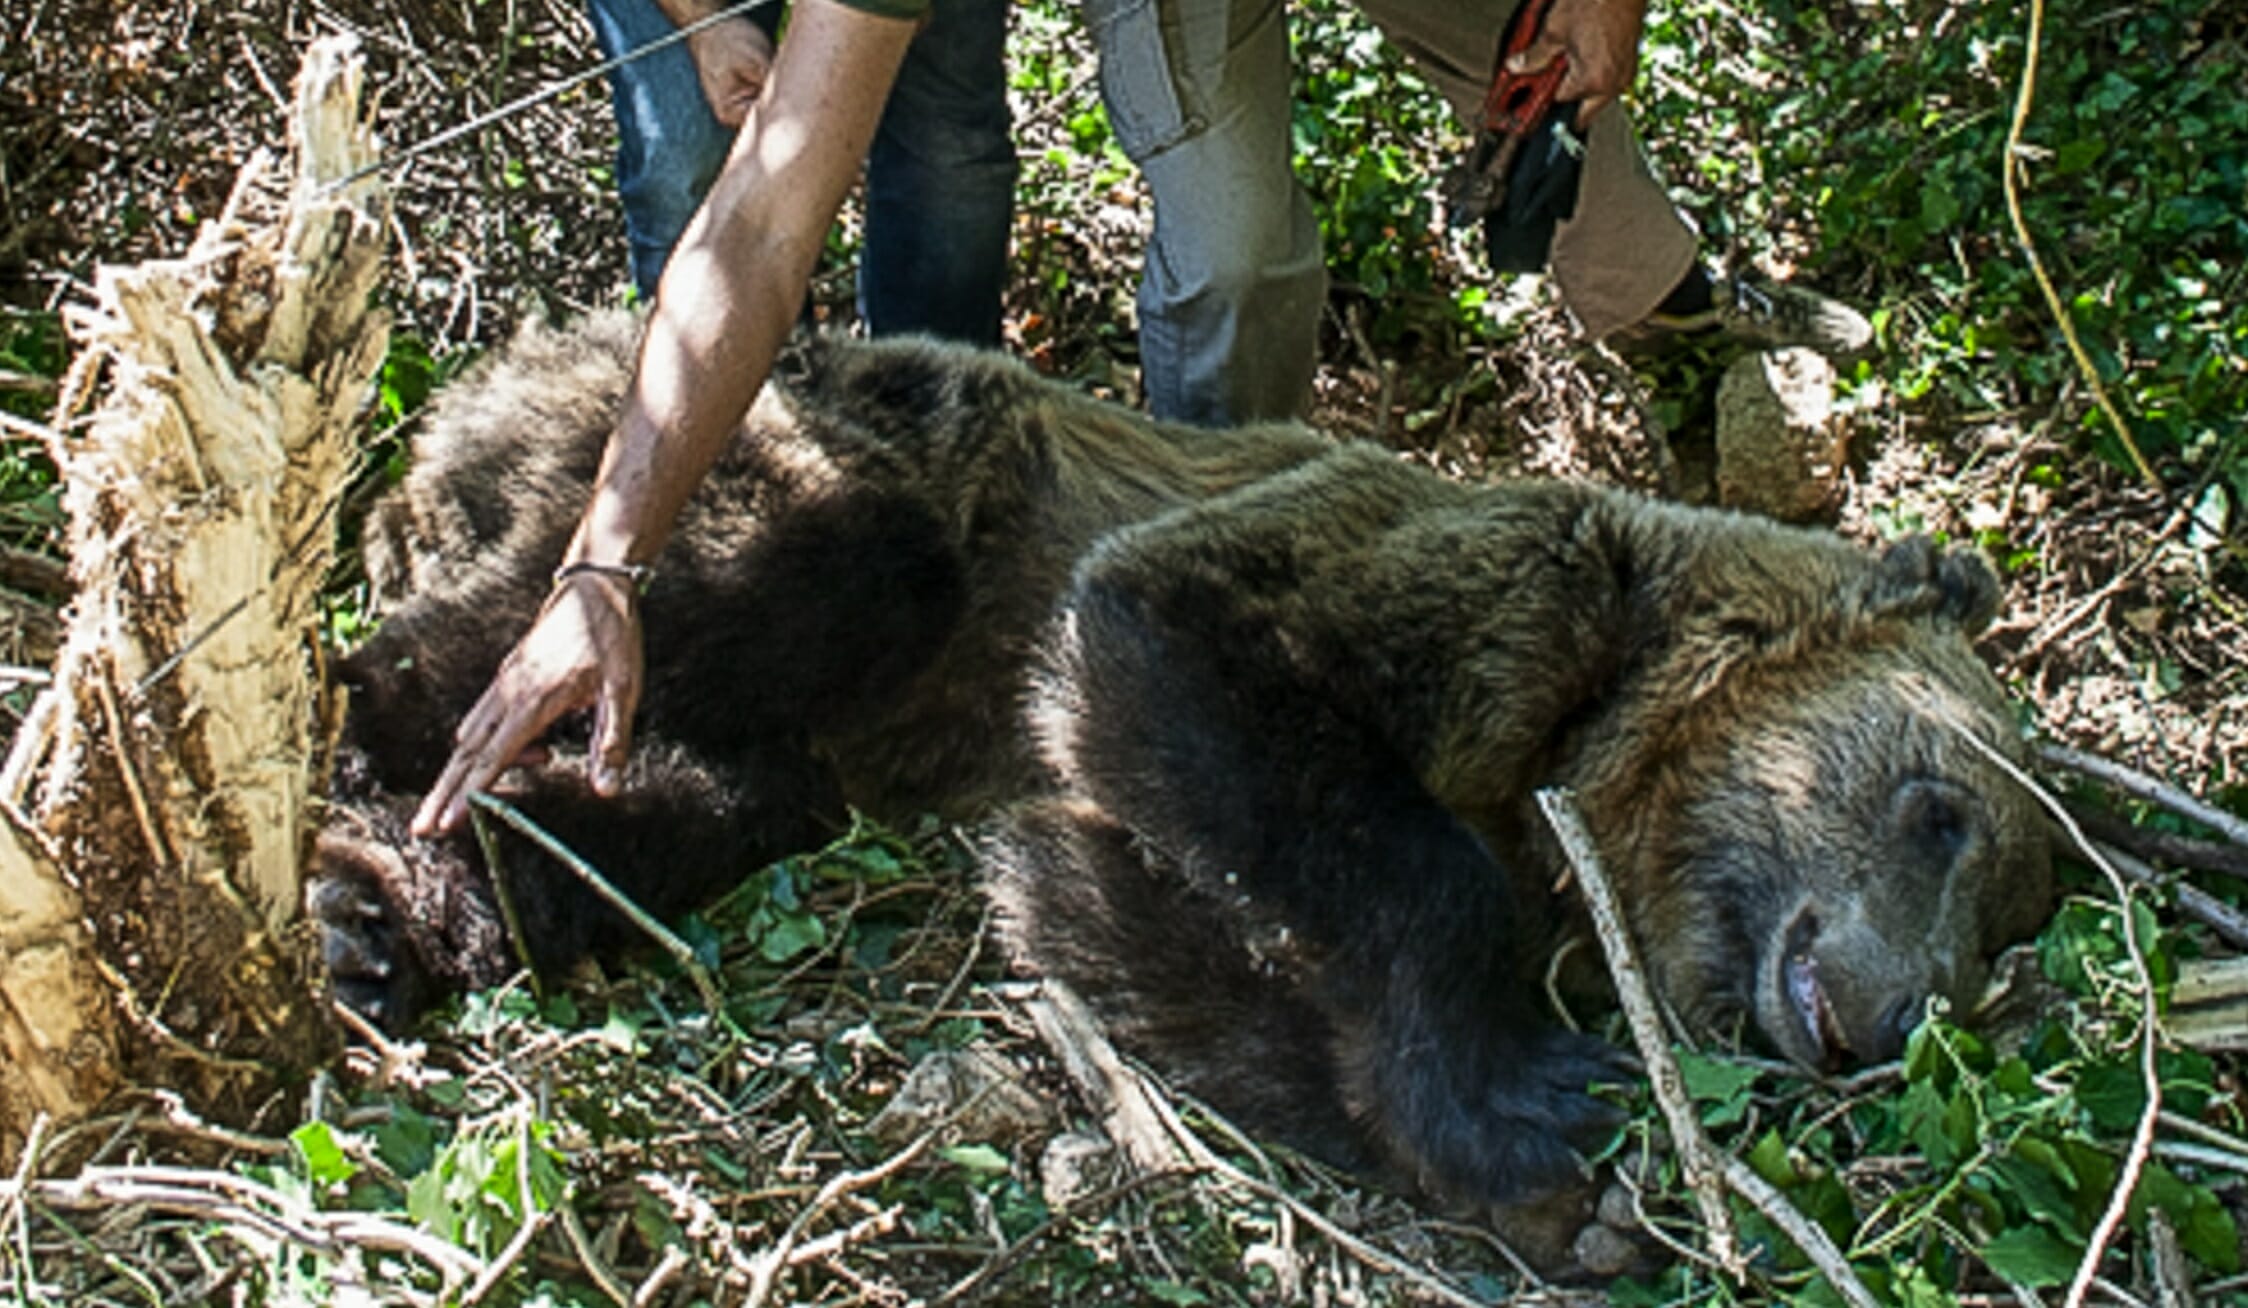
[494, 735]
[612, 728]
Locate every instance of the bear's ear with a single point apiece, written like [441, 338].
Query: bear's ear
[1915, 579]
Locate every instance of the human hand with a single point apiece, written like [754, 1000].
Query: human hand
[584, 649]
[732, 58]
[1601, 38]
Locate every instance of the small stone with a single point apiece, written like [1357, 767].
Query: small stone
[1604, 1251]
[1617, 1208]
[1075, 1164]
[1781, 448]
[986, 1092]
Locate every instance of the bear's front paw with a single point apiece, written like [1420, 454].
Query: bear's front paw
[1545, 1093]
[371, 964]
[1506, 1128]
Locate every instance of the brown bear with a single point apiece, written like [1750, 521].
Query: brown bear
[1257, 717]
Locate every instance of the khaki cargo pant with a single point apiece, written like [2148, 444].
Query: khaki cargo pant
[1198, 94]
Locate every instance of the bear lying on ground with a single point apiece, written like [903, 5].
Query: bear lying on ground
[1260, 715]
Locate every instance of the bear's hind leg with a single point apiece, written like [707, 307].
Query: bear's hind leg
[1194, 727]
[1083, 902]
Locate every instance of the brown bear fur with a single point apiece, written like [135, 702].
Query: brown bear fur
[1261, 715]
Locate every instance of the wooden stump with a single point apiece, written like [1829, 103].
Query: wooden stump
[145, 903]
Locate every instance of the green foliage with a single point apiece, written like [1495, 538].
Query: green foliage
[33, 349]
[1371, 141]
[1866, 145]
[1982, 1160]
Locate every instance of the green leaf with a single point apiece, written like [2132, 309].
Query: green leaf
[1171, 1292]
[407, 1143]
[791, 935]
[1922, 1113]
[1769, 1160]
[2113, 1094]
[2078, 155]
[324, 1159]
[1939, 208]
[2032, 1256]
[1718, 1082]
[2042, 1187]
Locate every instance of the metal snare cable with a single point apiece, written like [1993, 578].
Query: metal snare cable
[540, 96]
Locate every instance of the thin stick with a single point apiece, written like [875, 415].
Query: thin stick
[127, 773]
[616, 898]
[495, 871]
[25, 427]
[2139, 785]
[32, 739]
[2187, 853]
[12, 1212]
[573, 1229]
[538, 97]
[226, 1198]
[1807, 1235]
[667, 1269]
[767, 1266]
[2009, 170]
[1704, 1173]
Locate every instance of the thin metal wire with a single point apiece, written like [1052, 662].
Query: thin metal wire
[540, 96]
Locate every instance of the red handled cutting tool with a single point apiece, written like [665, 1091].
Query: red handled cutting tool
[1513, 108]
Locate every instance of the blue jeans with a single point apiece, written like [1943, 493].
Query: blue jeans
[940, 182]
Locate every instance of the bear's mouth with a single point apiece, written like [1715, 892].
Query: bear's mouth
[1806, 999]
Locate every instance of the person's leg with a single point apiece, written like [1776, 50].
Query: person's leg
[1198, 95]
[669, 146]
[1625, 246]
[940, 182]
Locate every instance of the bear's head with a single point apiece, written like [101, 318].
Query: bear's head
[1841, 842]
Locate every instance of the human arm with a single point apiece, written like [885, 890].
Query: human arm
[727, 301]
[1601, 38]
[733, 57]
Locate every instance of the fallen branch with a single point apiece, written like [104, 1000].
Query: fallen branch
[2139, 785]
[1115, 1093]
[2230, 924]
[1699, 1158]
[1687, 1137]
[671, 944]
[2184, 852]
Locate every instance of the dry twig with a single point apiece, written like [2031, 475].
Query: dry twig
[1687, 1137]
[617, 899]
[1704, 1173]
[767, 1266]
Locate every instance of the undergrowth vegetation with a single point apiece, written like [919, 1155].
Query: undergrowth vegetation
[611, 1140]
